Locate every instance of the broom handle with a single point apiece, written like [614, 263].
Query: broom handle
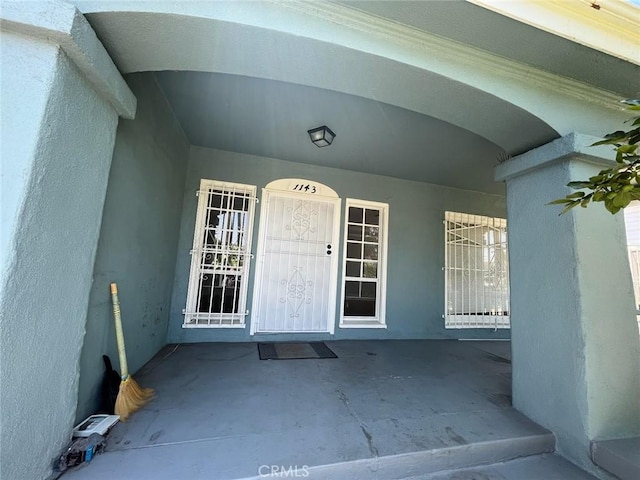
[119, 335]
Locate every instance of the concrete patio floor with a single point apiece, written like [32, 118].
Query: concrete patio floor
[382, 410]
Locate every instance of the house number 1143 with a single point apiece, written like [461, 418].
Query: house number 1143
[305, 187]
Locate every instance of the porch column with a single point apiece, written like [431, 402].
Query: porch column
[575, 341]
[61, 96]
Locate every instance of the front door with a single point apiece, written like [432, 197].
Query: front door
[296, 273]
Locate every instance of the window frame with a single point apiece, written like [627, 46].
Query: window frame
[192, 317]
[379, 320]
[494, 320]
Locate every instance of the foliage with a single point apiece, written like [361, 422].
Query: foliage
[617, 186]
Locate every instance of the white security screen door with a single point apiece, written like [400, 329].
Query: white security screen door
[296, 274]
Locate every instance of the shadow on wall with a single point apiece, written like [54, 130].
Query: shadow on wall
[138, 239]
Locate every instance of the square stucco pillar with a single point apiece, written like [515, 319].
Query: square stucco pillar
[575, 341]
[61, 96]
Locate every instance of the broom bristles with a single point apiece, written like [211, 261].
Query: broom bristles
[131, 398]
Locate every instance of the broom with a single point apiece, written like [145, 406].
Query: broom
[131, 397]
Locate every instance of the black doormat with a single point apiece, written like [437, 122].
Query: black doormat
[293, 351]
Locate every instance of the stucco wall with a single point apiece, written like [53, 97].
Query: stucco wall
[138, 239]
[56, 151]
[415, 281]
[575, 339]
[20, 123]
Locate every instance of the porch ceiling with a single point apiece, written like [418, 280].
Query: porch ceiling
[270, 118]
[418, 90]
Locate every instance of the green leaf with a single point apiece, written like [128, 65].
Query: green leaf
[619, 200]
[627, 149]
[576, 195]
[618, 134]
[576, 185]
[569, 207]
[612, 138]
[559, 201]
[610, 206]
[606, 142]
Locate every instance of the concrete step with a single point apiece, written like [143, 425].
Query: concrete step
[620, 457]
[199, 460]
[416, 465]
[547, 467]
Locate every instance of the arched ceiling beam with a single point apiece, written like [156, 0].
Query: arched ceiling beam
[340, 49]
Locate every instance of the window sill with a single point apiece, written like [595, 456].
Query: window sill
[356, 324]
[492, 322]
[204, 325]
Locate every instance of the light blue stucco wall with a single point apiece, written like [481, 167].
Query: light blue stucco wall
[576, 352]
[415, 281]
[57, 138]
[18, 118]
[138, 239]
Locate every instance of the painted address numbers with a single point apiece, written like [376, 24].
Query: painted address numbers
[304, 187]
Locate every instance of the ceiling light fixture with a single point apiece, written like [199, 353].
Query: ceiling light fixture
[321, 136]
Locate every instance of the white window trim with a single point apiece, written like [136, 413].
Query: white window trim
[378, 321]
[190, 312]
[462, 321]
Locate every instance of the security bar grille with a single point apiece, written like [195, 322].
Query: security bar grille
[476, 272]
[220, 256]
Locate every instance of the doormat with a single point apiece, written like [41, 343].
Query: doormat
[293, 351]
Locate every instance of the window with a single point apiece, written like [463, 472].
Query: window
[632, 227]
[632, 224]
[476, 272]
[364, 267]
[220, 256]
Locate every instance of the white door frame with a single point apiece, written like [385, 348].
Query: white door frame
[297, 188]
